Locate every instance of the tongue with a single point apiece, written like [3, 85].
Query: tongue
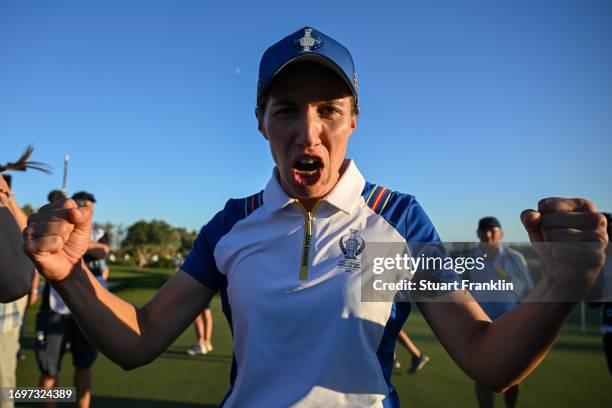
[305, 180]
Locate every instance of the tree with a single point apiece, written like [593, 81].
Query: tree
[155, 237]
[154, 232]
[27, 209]
[186, 240]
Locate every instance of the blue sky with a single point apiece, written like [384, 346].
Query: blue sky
[475, 107]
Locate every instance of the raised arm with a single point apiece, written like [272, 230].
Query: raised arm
[502, 353]
[56, 238]
[7, 199]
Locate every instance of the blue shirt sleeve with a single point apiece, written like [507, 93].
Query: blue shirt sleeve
[409, 218]
[200, 263]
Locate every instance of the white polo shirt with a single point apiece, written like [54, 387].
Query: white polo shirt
[302, 336]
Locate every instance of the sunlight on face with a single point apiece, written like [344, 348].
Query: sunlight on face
[308, 120]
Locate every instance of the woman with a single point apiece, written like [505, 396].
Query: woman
[286, 261]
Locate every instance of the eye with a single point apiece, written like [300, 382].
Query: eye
[329, 111]
[284, 110]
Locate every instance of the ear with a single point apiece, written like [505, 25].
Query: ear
[260, 122]
[354, 121]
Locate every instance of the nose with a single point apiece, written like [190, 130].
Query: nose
[310, 128]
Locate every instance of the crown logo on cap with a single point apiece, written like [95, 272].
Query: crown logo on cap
[308, 42]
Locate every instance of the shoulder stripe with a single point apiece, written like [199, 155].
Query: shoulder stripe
[253, 202]
[378, 198]
[370, 196]
[386, 202]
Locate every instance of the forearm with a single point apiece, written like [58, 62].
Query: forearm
[132, 336]
[511, 347]
[112, 324]
[500, 353]
[35, 282]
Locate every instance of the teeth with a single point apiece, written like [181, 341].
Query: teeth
[306, 161]
[306, 173]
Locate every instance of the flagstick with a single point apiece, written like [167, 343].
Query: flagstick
[64, 188]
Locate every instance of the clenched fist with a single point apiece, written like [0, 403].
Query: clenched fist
[56, 238]
[570, 236]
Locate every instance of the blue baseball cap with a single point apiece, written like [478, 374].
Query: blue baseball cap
[306, 44]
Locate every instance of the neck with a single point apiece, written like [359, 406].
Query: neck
[308, 203]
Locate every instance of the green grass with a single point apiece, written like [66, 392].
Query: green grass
[573, 375]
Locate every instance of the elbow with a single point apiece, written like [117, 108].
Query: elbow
[144, 356]
[130, 364]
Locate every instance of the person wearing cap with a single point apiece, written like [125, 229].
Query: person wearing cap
[55, 195]
[56, 329]
[284, 260]
[501, 263]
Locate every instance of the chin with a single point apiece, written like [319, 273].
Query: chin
[308, 192]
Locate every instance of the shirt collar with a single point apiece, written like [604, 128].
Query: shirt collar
[344, 196]
[274, 195]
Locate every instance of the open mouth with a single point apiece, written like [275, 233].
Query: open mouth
[307, 170]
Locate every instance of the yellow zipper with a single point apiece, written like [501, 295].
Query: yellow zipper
[305, 259]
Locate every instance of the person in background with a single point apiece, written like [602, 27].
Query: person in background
[54, 195]
[501, 263]
[603, 289]
[203, 324]
[56, 329]
[15, 283]
[419, 359]
[16, 275]
[606, 326]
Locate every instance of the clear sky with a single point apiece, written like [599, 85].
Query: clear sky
[475, 107]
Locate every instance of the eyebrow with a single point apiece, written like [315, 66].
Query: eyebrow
[281, 102]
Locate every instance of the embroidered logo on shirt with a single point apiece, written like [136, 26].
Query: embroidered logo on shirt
[351, 245]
